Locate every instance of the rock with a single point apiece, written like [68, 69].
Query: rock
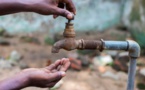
[15, 56]
[111, 75]
[75, 64]
[85, 60]
[121, 62]
[57, 85]
[122, 76]
[23, 65]
[4, 42]
[102, 60]
[141, 79]
[142, 71]
[101, 69]
[5, 64]
[73, 55]
[123, 54]
[116, 76]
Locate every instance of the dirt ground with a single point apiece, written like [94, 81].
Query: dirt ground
[78, 80]
[37, 56]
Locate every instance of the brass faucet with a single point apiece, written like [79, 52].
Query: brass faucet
[70, 43]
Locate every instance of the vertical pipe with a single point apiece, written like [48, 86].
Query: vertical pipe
[131, 75]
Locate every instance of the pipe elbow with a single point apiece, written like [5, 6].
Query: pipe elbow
[134, 49]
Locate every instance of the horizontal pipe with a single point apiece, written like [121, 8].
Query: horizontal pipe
[131, 46]
[116, 45]
[91, 44]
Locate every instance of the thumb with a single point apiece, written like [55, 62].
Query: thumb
[57, 75]
[65, 13]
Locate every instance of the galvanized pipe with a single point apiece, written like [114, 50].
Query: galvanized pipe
[116, 45]
[131, 74]
[70, 43]
[131, 46]
[134, 53]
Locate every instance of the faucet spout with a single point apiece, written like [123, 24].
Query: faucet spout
[66, 44]
[72, 44]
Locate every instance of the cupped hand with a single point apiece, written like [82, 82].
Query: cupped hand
[48, 76]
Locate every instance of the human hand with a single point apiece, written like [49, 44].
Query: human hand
[44, 77]
[53, 7]
[48, 76]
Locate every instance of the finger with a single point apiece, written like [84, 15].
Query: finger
[50, 67]
[66, 64]
[70, 6]
[61, 5]
[56, 76]
[57, 63]
[63, 12]
[53, 71]
[54, 65]
[59, 67]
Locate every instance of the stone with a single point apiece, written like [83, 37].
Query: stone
[121, 62]
[85, 60]
[102, 60]
[15, 56]
[4, 42]
[5, 64]
[75, 64]
[57, 85]
[111, 75]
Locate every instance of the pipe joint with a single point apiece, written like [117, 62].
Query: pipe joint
[134, 49]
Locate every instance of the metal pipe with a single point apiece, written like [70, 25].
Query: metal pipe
[134, 53]
[131, 74]
[70, 43]
[134, 49]
[131, 46]
[116, 45]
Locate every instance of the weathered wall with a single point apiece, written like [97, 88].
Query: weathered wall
[91, 15]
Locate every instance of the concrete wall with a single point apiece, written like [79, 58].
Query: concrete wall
[91, 15]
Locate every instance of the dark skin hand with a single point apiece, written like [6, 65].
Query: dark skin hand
[64, 8]
[43, 77]
[48, 76]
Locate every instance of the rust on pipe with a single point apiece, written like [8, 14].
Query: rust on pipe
[92, 44]
[70, 43]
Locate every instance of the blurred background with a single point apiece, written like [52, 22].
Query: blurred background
[26, 40]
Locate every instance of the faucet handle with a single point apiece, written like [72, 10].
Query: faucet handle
[69, 31]
[70, 20]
